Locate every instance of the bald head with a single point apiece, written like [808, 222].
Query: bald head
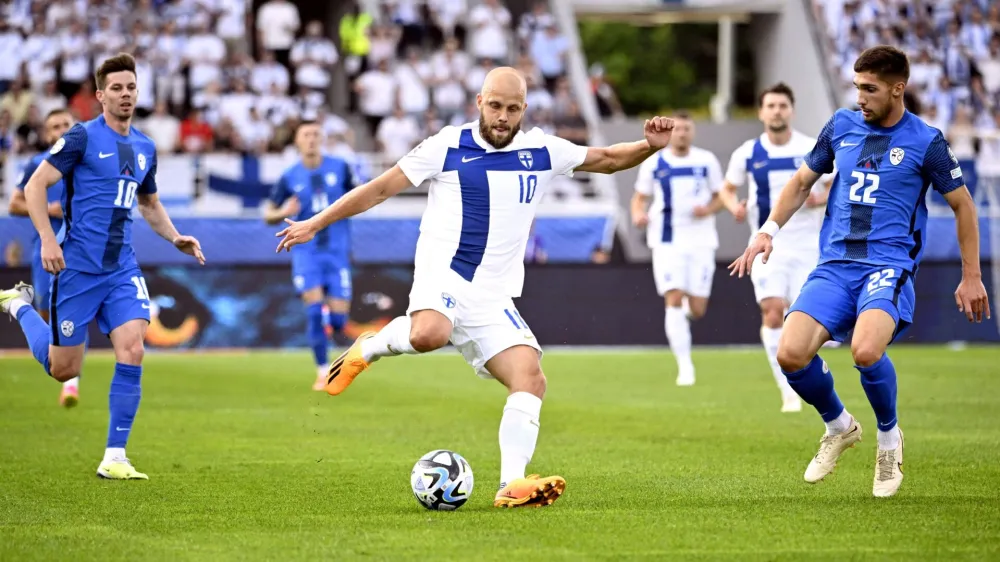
[505, 81]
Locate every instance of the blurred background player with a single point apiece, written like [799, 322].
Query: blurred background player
[872, 242]
[487, 178]
[321, 269]
[57, 122]
[767, 163]
[682, 181]
[96, 275]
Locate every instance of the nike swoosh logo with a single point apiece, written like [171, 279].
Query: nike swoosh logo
[102, 155]
[122, 428]
[845, 144]
[466, 159]
[146, 306]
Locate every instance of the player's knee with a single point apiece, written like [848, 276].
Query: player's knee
[792, 359]
[531, 380]
[771, 317]
[866, 354]
[63, 372]
[427, 338]
[131, 352]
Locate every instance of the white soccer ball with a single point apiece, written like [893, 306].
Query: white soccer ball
[442, 480]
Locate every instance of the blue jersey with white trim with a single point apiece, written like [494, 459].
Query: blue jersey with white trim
[317, 188]
[877, 211]
[103, 172]
[482, 201]
[55, 193]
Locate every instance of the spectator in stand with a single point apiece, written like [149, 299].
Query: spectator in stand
[84, 105]
[447, 21]
[230, 24]
[27, 136]
[397, 134]
[489, 23]
[17, 101]
[196, 136]
[171, 84]
[377, 91]
[961, 134]
[475, 76]
[39, 52]
[413, 77]
[989, 148]
[277, 24]
[355, 27]
[267, 74]
[532, 22]
[163, 128]
[75, 52]
[989, 67]
[549, 49]
[238, 67]
[204, 53]
[383, 45]
[11, 43]
[313, 57]
[604, 94]
[571, 125]
[430, 124]
[7, 135]
[50, 98]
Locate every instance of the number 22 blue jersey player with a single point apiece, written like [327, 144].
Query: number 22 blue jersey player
[321, 269]
[871, 242]
[108, 168]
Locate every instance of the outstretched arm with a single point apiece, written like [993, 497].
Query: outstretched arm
[792, 197]
[625, 155]
[156, 215]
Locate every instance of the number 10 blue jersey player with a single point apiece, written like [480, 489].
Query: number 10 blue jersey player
[321, 269]
[871, 242]
[107, 167]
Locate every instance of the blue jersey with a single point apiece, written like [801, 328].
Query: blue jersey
[317, 189]
[877, 211]
[55, 193]
[103, 172]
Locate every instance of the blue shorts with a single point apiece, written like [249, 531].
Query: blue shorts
[836, 293]
[330, 272]
[41, 280]
[112, 298]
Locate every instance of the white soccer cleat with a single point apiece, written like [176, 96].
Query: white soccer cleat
[21, 291]
[888, 470]
[685, 377]
[830, 449]
[791, 404]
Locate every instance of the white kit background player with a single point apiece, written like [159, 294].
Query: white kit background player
[486, 179]
[766, 163]
[682, 181]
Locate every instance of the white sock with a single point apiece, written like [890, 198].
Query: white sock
[888, 440]
[839, 425]
[678, 330]
[15, 305]
[518, 434]
[770, 338]
[393, 339]
[72, 383]
[114, 454]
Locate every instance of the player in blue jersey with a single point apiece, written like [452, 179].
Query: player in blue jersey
[321, 269]
[871, 242]
[107, 167]
[57, 122]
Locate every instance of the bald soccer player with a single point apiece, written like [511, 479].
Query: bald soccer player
[486, 178]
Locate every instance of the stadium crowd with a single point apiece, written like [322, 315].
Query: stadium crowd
[954, 48]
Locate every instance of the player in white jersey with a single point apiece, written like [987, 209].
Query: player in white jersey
[486, 179]
[682, 182]
[765, 164]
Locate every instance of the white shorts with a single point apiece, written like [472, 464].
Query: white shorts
[483, 325]
[783, 275]
[687, 269]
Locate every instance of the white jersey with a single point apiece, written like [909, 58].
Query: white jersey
[482, 202]
[770, 167]
[677, 185]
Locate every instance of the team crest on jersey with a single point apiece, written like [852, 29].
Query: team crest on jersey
[142, 161]
[331, 179]
[67, 327]
[896, 156]
[525, 157]
[448, 300]
[57, 146]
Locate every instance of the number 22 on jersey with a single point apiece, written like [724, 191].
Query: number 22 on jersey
[861, 179]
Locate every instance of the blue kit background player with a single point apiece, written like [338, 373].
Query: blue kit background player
[870, 247]
[108, 167]
[321, 269]
[57, 122]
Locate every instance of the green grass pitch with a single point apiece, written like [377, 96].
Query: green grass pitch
[247, 463]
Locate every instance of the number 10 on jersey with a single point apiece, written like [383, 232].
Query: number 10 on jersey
[528, 185]
[126, 193]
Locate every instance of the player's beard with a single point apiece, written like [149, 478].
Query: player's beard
[778, 127]
[486, 131]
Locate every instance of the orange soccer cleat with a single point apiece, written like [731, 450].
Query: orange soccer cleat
[349, 365]
[69, 397]
[531, 491]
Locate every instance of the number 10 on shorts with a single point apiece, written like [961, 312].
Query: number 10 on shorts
[141, 293]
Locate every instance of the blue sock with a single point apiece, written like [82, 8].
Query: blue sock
[879, 382]
[317, 335]
[814, 384]
[123, 402]
[38, 333]
[337, 321]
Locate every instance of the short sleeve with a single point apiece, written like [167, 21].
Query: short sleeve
[940, 167]
[148, 186]
[426, 159]
[821, 158]
[279, 191]
[736, 173]
[714, 174]
[26, 172]
[565, 155]
[644, 182]
[68, 151]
